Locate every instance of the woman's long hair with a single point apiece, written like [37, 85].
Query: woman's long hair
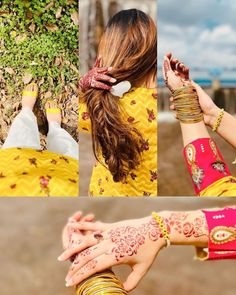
[129, 46]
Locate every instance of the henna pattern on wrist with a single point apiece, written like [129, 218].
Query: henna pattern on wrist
[196, 228]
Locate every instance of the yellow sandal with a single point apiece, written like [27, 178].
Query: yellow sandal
[33, 94]
[52, 110]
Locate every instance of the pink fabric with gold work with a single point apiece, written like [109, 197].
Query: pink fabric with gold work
[222, 233]
[205, 163]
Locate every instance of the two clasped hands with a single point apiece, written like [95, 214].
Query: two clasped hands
[93, 246]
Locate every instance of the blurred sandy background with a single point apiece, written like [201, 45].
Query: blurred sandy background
[31, 241]
[94, 15]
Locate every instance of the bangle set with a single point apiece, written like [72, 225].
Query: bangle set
[162, 227]
[187, 105]
[218, 120]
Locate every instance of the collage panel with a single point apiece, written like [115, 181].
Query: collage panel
[32, 241]
[118, 105]
[39, 98]
[197, 44]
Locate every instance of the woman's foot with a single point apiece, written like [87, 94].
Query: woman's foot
[29, 95]
[53, 112]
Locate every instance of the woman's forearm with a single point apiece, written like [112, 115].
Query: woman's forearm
[187, 228]
[227, 128]
[191, 132]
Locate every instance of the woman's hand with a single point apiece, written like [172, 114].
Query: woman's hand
[69, 229]
[175, 73]
[97, 78]
[132, 242]
[209, 109]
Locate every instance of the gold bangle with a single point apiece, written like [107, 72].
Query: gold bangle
[218, 120]
[187, 105]
[162, 227]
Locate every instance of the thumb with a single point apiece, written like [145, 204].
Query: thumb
[197, 87]
[134, 278]
[166, 67]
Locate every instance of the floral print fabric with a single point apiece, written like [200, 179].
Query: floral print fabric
[28, 172]
[140, 109]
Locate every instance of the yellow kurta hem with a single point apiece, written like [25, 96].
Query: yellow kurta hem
[224, 187]
[27, 172]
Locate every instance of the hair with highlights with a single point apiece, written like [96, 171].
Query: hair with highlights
[129, 46]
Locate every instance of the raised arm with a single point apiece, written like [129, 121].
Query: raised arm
[176, 77]
[209, 172]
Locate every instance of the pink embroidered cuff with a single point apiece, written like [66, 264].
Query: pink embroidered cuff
[205, 163]
[222, 233]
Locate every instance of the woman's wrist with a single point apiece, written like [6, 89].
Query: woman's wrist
[212, 115]
[186, 228]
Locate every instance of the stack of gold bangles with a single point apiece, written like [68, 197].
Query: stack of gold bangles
[187, 105]
[162, 227]
[104, 283]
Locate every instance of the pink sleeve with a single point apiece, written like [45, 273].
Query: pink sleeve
[205, 163]
[222, 233]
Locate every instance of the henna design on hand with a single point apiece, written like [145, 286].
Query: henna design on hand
[98, 236]
[96, 78]
[87, 268]
[129, 239]
[166, 70]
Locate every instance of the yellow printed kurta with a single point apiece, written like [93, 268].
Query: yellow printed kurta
[140, 110]
[224, 187]
[28, 172]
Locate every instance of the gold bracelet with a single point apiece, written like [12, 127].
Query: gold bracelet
[162, 227]
[218, 120]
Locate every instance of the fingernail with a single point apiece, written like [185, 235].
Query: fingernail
[69, 283]
[60, 258]
[113, 80]
[110, 68]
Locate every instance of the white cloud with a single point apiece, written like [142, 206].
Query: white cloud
[200, 35]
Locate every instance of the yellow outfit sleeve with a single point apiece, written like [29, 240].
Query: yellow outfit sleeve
[224, 187]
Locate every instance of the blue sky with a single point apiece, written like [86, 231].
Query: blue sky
[202, 33]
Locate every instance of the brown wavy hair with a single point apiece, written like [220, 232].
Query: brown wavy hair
[129, 46]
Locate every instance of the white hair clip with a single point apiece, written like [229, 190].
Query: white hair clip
[121, 88]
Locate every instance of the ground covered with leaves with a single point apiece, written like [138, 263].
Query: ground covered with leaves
[39, 42]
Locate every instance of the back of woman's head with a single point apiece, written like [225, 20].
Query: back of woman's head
[129, 46]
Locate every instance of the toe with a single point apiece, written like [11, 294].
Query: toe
[53, 104]
[34, 87]
[47, 105]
